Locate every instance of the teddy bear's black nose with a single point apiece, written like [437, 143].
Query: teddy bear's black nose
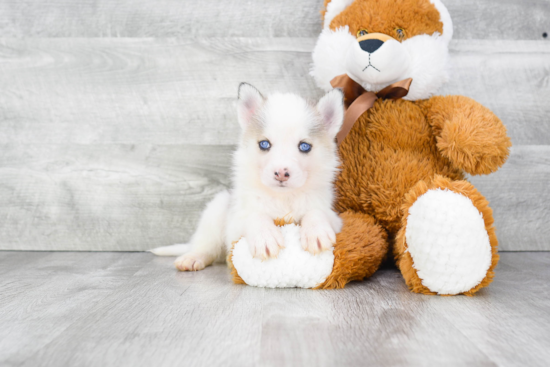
[370, 45]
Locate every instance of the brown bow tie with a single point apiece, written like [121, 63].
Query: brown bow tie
[357, 100]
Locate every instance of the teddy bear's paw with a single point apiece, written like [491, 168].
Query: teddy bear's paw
[193, 261]
[316, 238]
[448, 242]
[473, 138]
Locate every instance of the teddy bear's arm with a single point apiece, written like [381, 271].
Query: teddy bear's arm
[471, 136]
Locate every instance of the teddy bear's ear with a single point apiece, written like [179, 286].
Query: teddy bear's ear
[250, 101]
[445, 19]
[331, 109]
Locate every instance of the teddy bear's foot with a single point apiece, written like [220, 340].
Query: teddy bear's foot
[447, 244]
[359, 250]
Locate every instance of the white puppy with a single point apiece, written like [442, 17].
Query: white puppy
[285, 166]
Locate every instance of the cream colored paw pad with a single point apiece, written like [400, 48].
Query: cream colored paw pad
[294, 267]
[448, 243]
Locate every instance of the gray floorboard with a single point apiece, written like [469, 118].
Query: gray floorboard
[39, 301]
[127, 309]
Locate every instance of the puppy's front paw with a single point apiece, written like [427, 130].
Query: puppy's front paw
[193, 261]
[265, 242]
[317, 237]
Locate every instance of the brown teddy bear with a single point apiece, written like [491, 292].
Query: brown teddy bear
[402, 189]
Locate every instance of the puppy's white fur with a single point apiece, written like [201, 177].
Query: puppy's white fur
[258, 196]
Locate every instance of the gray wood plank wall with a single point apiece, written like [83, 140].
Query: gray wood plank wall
[117, 117]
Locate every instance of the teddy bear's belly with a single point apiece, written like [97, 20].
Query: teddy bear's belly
[389, 149]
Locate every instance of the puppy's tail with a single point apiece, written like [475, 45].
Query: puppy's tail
[174, 250]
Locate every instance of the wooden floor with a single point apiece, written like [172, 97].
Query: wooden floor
[134, 309]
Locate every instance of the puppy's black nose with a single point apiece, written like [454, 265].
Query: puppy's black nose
[370, 45]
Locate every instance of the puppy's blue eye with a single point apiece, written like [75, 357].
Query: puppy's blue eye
[264, 145]
[305, 147]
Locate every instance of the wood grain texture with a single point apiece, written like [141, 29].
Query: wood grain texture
[40, 299]
[473, 19]
[167, 18]
[135, 91]
[499, 19]
[127, 309]
[105, 197]
[487, 323]
[511, 79]
[520, 197]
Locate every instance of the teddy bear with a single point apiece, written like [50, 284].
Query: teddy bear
[405, 152]
[358, 252]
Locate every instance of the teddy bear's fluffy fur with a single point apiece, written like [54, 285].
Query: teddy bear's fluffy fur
[400, 150]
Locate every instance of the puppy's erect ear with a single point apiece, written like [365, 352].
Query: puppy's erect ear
[331, 108]
[250, 100]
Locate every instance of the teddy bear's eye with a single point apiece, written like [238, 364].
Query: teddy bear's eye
[400, 33]
[362, 32]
